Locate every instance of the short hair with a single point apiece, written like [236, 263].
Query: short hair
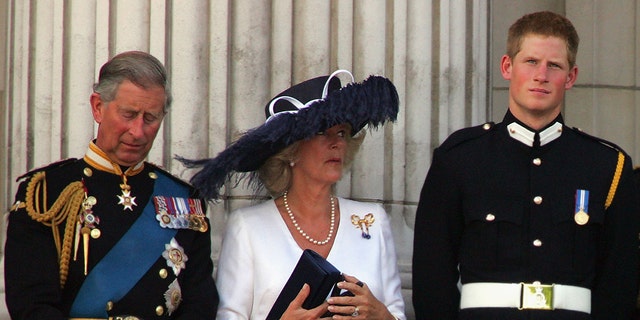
[141, 68]
[544, 23]
[275, 173]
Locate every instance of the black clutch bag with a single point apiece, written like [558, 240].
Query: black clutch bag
[313, 270]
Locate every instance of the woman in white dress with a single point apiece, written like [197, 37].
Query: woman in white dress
[312, 132]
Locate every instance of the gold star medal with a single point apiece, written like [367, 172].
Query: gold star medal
[175, 256]
[173, 297]
[126, 199]
[581, 215]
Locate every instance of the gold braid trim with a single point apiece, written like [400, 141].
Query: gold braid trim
[66, 207]
[616, 180]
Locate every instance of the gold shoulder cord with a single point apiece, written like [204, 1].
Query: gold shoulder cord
[66, 207]
[616, 180]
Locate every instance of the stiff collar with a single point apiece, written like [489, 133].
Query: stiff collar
[526, 135]
[99, 160]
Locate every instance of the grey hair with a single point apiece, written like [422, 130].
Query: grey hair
[141, 68]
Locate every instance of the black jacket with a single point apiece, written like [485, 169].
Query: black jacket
[32, 273]
[483, 172]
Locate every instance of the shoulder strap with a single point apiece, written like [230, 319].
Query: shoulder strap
[466, 134]
[124, 265]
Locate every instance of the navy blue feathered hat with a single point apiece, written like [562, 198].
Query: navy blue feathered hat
[295, 114]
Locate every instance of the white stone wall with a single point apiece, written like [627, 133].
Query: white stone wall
[226, 59]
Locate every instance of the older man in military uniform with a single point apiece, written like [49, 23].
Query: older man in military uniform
[534, 219]
[110, 236]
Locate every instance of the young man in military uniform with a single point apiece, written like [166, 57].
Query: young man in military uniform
[110, 236]
[636, 174]
[535, 219]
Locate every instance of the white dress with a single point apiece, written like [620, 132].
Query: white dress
[259, 253]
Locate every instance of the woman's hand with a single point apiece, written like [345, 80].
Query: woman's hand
[362, 305]
[295, 311]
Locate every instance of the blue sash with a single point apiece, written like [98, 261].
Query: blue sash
[124, 265]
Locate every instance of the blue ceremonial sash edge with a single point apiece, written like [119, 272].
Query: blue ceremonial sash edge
[135, 252]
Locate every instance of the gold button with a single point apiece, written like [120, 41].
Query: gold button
[537, 200]
[537, 243]
[153, 175]
[537, 161]
[486, 126]
[490, 217]
[163, 273]
[159, 310]
[87, 172]
[109, 305]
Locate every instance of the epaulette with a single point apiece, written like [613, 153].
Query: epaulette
[600, 140]
[466, 134]
[170, 175]
[63, 211]
[47, 167]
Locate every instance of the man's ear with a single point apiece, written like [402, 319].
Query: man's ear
[97, 106]
[572, 77]
[505, 67]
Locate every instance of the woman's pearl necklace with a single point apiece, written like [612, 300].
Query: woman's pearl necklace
[304, 234]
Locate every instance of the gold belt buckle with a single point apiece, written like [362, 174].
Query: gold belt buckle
[536, 296]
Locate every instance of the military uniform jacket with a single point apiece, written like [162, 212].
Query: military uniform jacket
[494, 209]
[32, 276]
[636, 173]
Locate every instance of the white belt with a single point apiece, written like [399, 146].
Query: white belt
[525, 296]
